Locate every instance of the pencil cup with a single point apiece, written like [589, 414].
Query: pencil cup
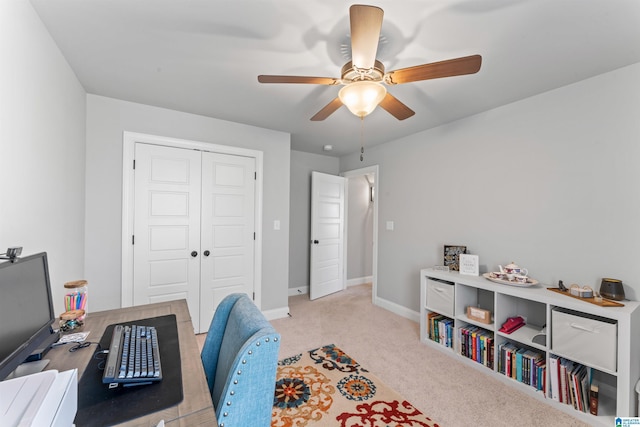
[76, 297]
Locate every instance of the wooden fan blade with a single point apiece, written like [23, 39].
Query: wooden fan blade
[435, 70]
[327, 110]
[365, 22]
[299, 79]
[396, 108]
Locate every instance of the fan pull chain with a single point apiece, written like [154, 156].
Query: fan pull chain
[362, 138]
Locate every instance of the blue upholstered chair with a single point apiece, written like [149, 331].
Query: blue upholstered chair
[240, 357]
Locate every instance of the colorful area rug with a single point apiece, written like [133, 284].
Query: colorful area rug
[326, 387]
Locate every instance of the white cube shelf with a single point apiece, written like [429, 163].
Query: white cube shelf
[604, 339]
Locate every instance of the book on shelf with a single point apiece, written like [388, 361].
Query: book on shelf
[467, 341]
[522, 364]
[440, 329]
[526, 367]
[593, 399]
[584, 383]
[511, 350]
[580, 377]
[492, 353]
[445, 327]
[506, 349]
[474, 349]
[544, 380]
[519, 366]
[536, 360]
[529, 367]
[569, 382]
[577, 387]
[564, 385]
[554, 375]
[541, 371]
[566, 366]
[527, 361]
[476, 344]
[432, 319]
[506, 360]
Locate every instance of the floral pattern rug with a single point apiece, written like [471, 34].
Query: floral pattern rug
[326, 387]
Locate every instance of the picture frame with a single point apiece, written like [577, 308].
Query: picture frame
[469, 264]
[479, 315]
[452, 256]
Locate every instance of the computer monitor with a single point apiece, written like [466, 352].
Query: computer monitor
[26, 310]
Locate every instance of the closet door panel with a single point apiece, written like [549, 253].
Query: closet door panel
[228, 226]
[167, 225]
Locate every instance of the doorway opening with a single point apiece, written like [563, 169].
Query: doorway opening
[361, 225]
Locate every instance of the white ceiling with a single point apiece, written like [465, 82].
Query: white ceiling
[204, 56]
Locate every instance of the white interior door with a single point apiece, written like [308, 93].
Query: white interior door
[327, 234]
[228, 239]
[166, 249]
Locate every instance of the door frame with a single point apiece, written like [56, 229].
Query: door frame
[375, 171]
[129, 140]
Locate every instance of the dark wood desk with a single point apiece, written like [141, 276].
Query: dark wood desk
[196, 408]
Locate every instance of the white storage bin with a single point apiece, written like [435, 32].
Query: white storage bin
[584, 338]
[440, 296]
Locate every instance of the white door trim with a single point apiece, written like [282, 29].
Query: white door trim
[375, 170]
[129, 140]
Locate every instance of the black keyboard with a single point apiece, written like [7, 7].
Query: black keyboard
[134, 356]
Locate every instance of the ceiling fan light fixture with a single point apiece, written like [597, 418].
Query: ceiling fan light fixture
[362, 97]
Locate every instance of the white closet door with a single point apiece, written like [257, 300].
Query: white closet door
[327, 235]
[167, 226]
[228, 226]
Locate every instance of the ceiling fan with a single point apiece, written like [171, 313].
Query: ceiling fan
[364, 75]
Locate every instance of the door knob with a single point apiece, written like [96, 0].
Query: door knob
[315, 242]
[194, 254]
[206, 253]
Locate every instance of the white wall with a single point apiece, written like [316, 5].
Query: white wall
[42, 131]
[107, 118]
[550, 182]
[359, 229]
[302, 164]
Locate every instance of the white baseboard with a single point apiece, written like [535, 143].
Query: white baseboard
[302, 290]
[397, 309]
[380, 302]
[277, 313]
[359, 281]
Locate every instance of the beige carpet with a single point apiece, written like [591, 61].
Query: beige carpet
[446, 390]
[449, 392]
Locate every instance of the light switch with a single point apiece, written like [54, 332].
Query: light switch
[276, 224]
[390, 225]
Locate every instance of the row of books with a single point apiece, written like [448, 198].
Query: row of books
[440, 329]
[522, 364]
[570, 383]
[476, 344]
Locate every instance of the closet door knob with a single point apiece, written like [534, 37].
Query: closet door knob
[194, 254]
[206, 253]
